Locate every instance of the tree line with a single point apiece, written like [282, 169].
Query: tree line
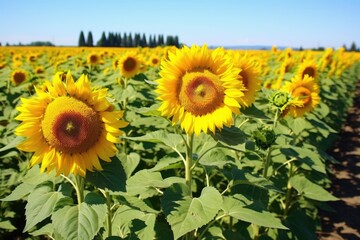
[128, 40]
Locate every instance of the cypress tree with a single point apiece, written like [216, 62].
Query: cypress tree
[176, 42]
[103, 41]
[143, 41]
[353, 47]
[82, 39]
[89, 41]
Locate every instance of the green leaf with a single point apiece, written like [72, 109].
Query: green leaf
[7, 225]
[167, 163]
[19, 192]
[237, 209]
[112, 176]
[145, 184]
[48, 229]
[143, 227]
[301, 225]
[254, 112]
[35, 177]
[135, 203]
[170, 139]
[184, 213]
[130, 162]
[150, 111]
[16, 141]
[231, 136]
[253, 179]
[127, 220]
[310, 189]
[40, 205]
[79, 222]
[216, 158]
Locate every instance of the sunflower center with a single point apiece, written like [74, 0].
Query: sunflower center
[19, 77]
[71, 126]
[201, 93]
[244, 78]
[129, 64]
[93, 59]
[303, 93]
[309, 71]
[155, 61]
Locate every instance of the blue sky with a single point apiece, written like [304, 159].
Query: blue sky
[292, 23]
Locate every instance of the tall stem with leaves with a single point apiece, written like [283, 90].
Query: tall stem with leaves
[189, 160]
[79, 187]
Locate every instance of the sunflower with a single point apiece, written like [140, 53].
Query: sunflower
[39, 70]
[69, 127]
[304, 90]
[249, 75]
[154, 60]
[307, 67]
[18, 76]
[199, 88]
[93, 58]
[129, 64]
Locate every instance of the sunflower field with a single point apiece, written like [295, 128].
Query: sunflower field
[169, 143]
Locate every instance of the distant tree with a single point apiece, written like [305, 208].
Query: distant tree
[125, 40]
[103, 41]
[0, 44]
[130, 40]
[353, 47]
[169, 41]
[82, 42]
[7, 44]
[176, 42]
[344, 46]
[89, 40]
[137, 39]
[143, 42]
[40, 43]
[301, 48]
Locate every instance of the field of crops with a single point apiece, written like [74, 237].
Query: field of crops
[167, 143]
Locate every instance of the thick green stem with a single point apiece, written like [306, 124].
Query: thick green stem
[276, 117]
[188, 170]
[267, 162]
[79, 188]
[288, 191]
[188, 161]
[109, 215]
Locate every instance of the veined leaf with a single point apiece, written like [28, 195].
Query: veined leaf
[129, 162]
[145, 184]
[112, 176]
[245, 177]
[79, 222]
[184, 213]
[40, 205]
[127, 220]
[170, 139]
[310, 189]
[237, 209]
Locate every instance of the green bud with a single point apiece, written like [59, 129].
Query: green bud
[264, 137]
[280, 99]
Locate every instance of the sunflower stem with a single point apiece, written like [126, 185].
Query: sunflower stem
[188, 160]
[276, 117]
[267, 162]
[288, 191]
[79, 188]
[109, 215]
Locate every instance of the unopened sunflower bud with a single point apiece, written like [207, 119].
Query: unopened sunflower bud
[264, 137]
[280, 99]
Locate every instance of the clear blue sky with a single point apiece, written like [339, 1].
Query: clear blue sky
[293, 23]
